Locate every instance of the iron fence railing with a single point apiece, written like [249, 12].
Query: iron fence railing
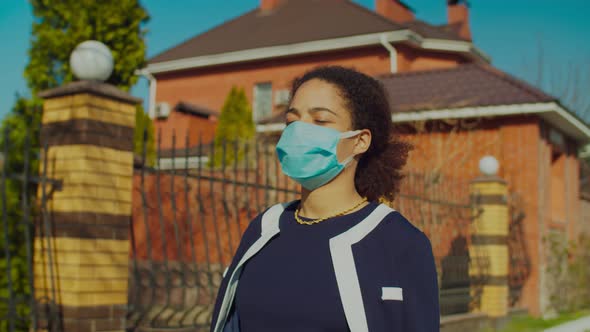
[24, 191]
[190, 214]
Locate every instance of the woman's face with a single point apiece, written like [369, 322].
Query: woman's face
[320, 103]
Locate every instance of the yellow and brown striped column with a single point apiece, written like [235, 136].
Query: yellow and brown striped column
[88, 128]
[489, 247]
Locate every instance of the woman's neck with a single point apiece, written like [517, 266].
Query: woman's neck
[334, 197]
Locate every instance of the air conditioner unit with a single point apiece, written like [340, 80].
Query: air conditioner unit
[282, 97]
[162, 110]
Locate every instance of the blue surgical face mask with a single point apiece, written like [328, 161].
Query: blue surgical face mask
[307, 153]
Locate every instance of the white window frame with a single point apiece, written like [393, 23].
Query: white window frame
[256, 112]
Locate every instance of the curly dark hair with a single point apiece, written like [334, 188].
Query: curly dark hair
[378, 174]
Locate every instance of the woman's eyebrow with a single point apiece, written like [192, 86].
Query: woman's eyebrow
[319, 109]
[292, 110]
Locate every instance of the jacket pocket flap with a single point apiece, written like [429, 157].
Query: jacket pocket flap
[392, 293]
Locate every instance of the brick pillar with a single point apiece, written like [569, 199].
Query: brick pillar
[489, 248]
[88, 128]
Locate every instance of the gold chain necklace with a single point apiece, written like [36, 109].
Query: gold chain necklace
[315, 221]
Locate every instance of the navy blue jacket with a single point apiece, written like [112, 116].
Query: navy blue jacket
[384, 268]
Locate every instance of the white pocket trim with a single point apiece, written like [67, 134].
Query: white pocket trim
[392, 293]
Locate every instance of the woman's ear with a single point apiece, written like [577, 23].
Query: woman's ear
[363, 142]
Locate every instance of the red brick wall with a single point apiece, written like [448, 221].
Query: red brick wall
[183, 124]
[544, 218]
[394, 11]
[411, 59]
[573, 208]
[520, 162]
[209, 86]
[515, 143]
[454, 153]
[558, 189]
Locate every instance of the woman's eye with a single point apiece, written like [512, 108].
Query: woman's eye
[321, 121]
[290, 117]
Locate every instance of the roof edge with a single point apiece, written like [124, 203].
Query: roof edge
[276, 51]
[404, 35]
[206, 31]
[437, 44]
[187, 107]
[552, 112]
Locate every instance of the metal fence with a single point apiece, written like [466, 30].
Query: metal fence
[190, 208]
[195, 202]
[24, 191]
[520, 261]
[441, 206]
[187, 222]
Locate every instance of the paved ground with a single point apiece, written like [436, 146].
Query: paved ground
[579, 325]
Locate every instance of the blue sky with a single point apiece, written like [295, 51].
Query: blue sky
[510, 31]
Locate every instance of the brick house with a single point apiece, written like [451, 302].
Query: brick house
[433, 75]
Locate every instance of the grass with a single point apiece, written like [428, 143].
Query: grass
[531, 324]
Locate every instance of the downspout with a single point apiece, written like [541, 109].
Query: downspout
[392, 52]
[152, 94]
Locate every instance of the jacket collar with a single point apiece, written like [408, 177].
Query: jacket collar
[342, 260]
[345, 268]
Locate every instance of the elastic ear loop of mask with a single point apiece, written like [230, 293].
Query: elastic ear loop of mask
[349, 134]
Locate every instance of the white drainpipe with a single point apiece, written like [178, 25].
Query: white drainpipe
[152, 97]
[392, 53]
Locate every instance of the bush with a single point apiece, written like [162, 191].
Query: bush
[568, 273]
[235, 128]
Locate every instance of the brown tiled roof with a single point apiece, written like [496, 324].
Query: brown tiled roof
[294, 21]
[195, 109]
[468, 85]
[431, 31]
[463, 86]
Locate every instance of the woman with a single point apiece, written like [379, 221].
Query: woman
[336, 260]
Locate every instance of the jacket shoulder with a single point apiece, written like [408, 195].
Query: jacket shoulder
[255, 227]
[398, 228]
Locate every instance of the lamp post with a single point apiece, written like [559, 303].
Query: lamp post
[489, 165]
[92, 61]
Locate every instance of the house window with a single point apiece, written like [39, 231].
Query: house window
[262, 101]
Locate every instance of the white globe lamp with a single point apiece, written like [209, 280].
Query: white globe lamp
[92, 61]
[489, 165]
